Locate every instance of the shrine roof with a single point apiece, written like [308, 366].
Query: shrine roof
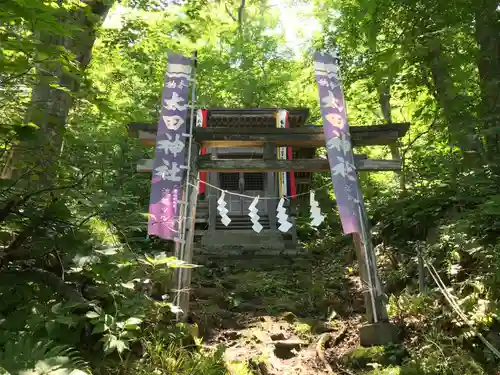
[261, 117]
[233, 127]
[242, 117]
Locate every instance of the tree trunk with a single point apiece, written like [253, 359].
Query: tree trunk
[384, 95]
[460, 121]
[487, 32]
[51, 97]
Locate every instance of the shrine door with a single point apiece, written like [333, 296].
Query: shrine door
[250, 184]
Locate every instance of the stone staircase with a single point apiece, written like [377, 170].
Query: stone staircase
[242, 222]
[239, 239]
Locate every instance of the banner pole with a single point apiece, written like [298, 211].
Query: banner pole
[348, 194]
[184, 274]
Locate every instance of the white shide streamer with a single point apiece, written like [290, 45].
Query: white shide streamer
[282, 217]
[316, 217]
[253, 215]
[221, 208]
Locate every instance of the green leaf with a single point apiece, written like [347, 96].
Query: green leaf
[112, 343]
[109, 343]
[130, 285]
[121, 346]
[92, 315]
[66, 320]
[99, 328]
[56, 308]
[51, 327]
[132, 323]
[109, 320]
[128, 335]
[32, 125]
[112, 251]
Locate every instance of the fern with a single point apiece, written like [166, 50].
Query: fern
[28, 357]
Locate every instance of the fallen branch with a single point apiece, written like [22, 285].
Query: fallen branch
[329, 338]
[43, 277]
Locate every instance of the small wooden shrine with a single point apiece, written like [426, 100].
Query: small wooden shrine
[241, 158]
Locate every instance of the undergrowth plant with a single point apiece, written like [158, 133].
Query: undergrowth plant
[23, 354]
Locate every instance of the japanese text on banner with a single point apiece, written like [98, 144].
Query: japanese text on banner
[168, 167]
[338, 140]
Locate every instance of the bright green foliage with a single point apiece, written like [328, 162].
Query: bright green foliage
[370, 357]
[76, 270]
[75, 266]
[24, 355]
[174, 360]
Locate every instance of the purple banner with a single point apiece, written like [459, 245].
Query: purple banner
[168, 167]
[338, 140]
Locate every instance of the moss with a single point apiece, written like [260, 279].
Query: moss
[238, 368]
[395, 370]
[302, 329]
[361, 357]
[391, 370]
[384, 355]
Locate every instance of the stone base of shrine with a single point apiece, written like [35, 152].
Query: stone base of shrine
[376, 334]
[238, 242]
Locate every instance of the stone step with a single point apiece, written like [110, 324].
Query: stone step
[242, 240]
[242, 253]
[263, 261]
[242, 223]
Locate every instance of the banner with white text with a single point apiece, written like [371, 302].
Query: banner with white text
[338, 140]
[169, 168]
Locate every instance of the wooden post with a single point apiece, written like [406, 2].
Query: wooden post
[184, 274]
[212, 211]
[363, 274]
[269, 153]
[213, 194]
[293, 220]
[378, 331]
[421, 268]
[394, 151]
[397, 156]
[421, 274]
[376, 310]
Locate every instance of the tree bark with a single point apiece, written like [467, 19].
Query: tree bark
[384, 94]
[51, 97]
[487, 33]
[460, 121]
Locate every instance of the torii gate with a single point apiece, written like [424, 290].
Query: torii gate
[378, 330]
[306, 138]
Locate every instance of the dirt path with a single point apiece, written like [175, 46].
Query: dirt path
[270, 316]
